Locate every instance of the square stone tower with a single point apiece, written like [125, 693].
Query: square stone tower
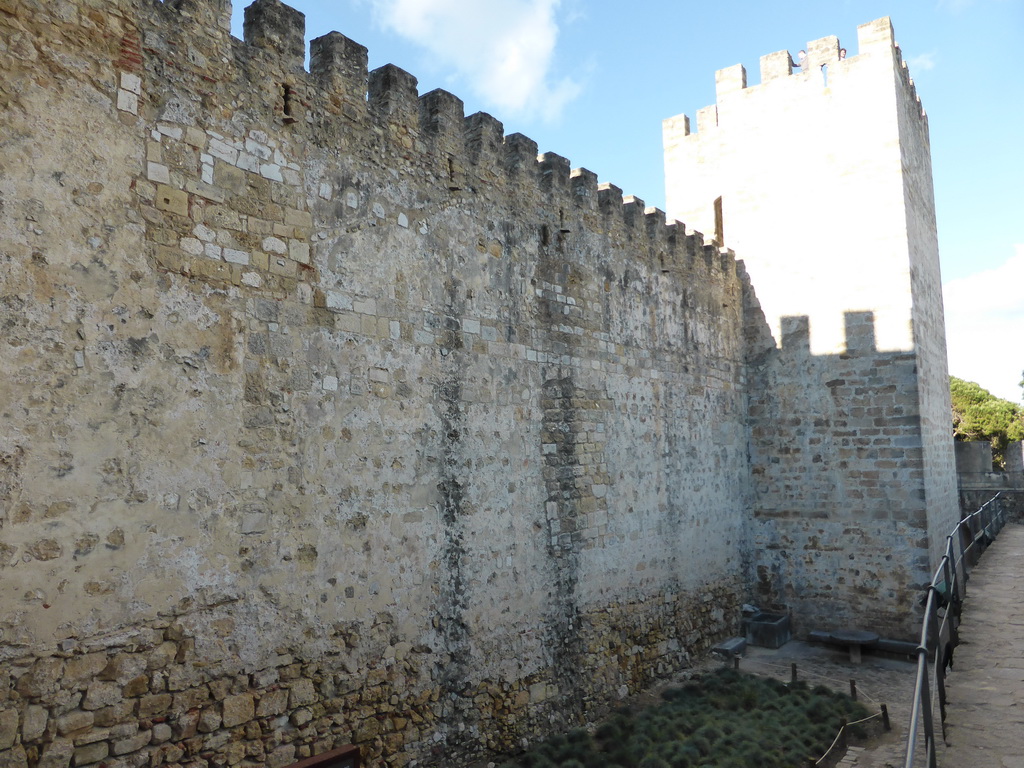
[820, 180]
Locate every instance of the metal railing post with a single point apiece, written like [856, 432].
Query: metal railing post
[938, 634]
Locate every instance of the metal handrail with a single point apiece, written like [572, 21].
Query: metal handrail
[964, 546]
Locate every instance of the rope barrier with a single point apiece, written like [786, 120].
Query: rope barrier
[840, 735]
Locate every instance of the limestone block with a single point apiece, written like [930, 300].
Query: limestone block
[91, 753]
[162, 732]
[8, 727]
[302, 692]
[279, 758]
[186, 725]
[115, 714]
[171, 200]
[101, 694]
[84, 668]
[57, 754]
[75, 721]
[136, 687]
[238, 709]
[154, 704]
[13, 758]
[33, 723]
[209, 720]
[41, 679]
[132, 743]
[273, 703]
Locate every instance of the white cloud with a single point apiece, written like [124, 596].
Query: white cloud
[502, 48]
[922, 63]
[985, 326]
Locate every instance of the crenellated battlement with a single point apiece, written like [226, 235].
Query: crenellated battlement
[825, 66]
[278, 29]
[339, 95]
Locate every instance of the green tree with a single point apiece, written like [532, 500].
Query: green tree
[980, 415]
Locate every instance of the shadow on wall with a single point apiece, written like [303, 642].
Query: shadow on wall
[841, 475]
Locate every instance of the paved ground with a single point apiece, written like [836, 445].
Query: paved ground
[985, 689]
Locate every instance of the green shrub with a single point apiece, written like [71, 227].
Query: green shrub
[723, 720]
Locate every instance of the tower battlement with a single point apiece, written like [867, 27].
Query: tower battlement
[824, 70]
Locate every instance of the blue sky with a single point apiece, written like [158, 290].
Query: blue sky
[592, 81]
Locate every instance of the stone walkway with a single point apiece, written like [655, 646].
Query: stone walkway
[985, 690]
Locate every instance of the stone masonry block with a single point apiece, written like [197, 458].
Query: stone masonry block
[91, 753]
[171, 200]
[302, 692]
[14, 758]
[101, 694]
[75, 721]
[57, 754]
[33, 723]
[8, 727]
[238, 709]
[273, 702]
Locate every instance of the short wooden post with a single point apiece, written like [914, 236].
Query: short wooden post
[885, 718]
[853, 689]
[736, 661]
[792, 678]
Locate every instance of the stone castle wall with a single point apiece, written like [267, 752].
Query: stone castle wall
[332, 415]
[821, 181]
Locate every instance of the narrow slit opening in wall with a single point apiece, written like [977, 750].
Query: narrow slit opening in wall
[545, 236]
[719, 223]
[288, 108]
[453, 184]
[824, 75]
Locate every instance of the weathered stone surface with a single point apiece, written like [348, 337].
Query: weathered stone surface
[273, 702]
[33, 722]
[281, 756]
[57, 754]
[238, 709]
[209, 720]
[8, 727]
[154, 705]
[75, 721]
[41, 679]
[13, 758]
[132, 743]
[99, 695]
[115, 714]
[83, 669]
[352, 419]
[302, 692]
[91, 753]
